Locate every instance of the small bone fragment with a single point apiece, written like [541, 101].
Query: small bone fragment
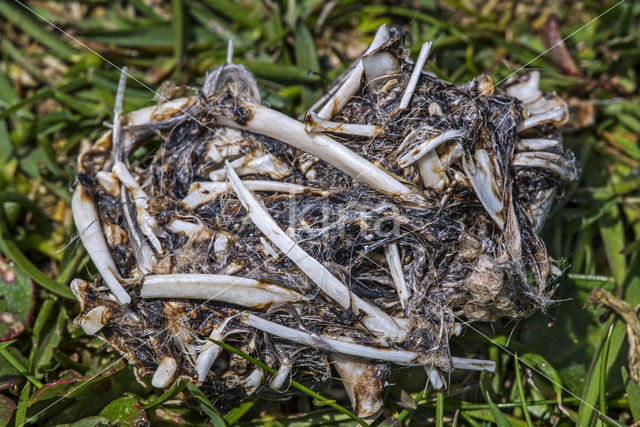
[95, 319]
[282, 374]
[163, 376]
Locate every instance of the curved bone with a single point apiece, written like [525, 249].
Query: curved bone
[352, 82]
[164, 375]
[422, 149]
[375, 319]
[276, 125]
[337, 345]
[88, 225]
[235, 290]
[207, 191]
[415, 75]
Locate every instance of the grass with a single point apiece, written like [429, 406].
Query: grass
[571, 365]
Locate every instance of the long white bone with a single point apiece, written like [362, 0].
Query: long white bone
[232, 289]
[415, 75]
[395, 268]
[337, 345]
[146, 222]
[206, 191]
[88, 225]
[375, 319]
[281, 127]
[352, 82]
[423, 148]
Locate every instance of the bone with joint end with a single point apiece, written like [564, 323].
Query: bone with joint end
[395, 268]
[375, 319]
[313, 123]
[206, 191]
[217, 287]
[282, 374]
[79, 288]
[276, 125]
[164, 375]
[432, 172]
[210, 351]
[526, 89]
[415, 75]
[556, 116]
[95, 319]
[88, 225]
[352, 82]
[145, 221]
[545, 160]
[422, 149]
[363, 381]
[253, 381]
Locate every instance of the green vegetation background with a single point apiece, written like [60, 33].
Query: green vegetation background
[56, 94]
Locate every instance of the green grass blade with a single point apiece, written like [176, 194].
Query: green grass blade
[439, 409]
[523, 399]
[38, 30]
[633, 393]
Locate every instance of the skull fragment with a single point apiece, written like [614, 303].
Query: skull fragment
[361, 238]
